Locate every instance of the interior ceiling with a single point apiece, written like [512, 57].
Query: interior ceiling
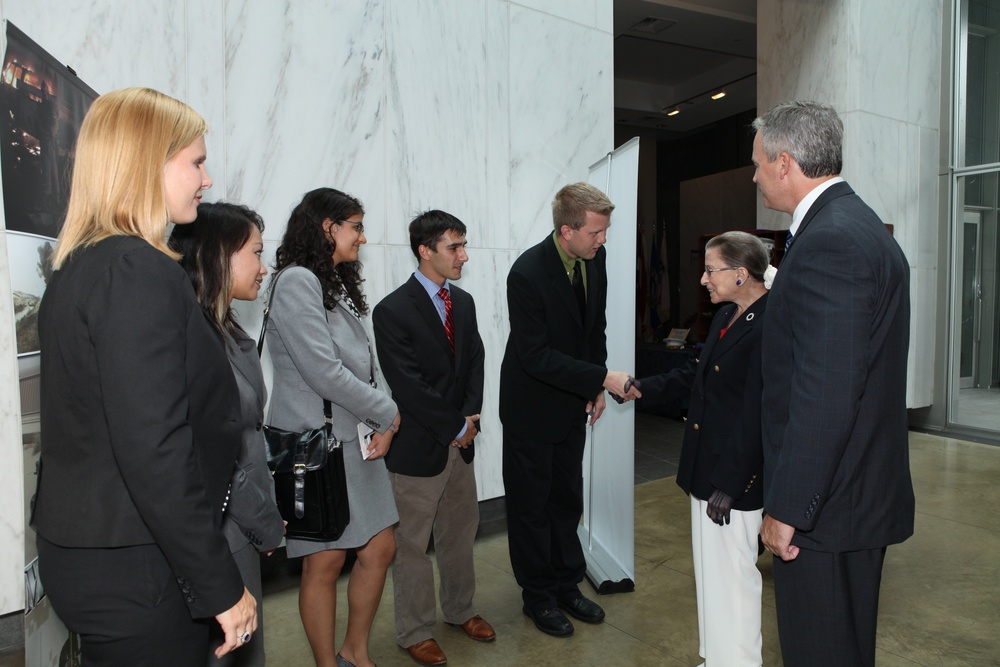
[702, 47]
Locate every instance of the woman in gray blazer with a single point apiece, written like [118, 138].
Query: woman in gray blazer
[220, 251]
[321, 350]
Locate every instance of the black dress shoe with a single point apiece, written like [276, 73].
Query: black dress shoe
[583, 609]
[550, 621]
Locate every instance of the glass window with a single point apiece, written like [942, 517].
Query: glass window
[981, 115]
[974, 370]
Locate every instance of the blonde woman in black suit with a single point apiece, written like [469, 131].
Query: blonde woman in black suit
[221, 252]
[139, 406]
[722, 456]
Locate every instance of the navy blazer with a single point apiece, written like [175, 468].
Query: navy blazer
[140, 413]
[554, 360]
[434, 389]
[722, 440]
[836, 448]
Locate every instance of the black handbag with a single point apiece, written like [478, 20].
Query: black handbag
[310, 481]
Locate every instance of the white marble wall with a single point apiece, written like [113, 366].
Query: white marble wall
[878, 62]
[11, 467]
[483, 108]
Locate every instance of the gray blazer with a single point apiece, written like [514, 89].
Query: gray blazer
[252, 513]
[320, 354]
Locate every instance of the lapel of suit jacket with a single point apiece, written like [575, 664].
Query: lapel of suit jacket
[708, 351]
[459, 322]
[741, 327]
[343, 310]
[237, 351]
[560, 282]
[836, 190]
[592, 289]
[428, 312]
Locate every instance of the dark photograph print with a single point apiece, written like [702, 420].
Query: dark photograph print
[42, 105]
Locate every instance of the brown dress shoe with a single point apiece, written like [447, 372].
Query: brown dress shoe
[478, 629]
[427, 652]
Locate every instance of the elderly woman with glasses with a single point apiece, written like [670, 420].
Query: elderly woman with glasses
[722, 456]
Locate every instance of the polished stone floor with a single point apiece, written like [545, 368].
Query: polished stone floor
[977, 407]
[940, 594]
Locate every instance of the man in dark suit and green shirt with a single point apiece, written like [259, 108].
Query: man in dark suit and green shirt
[552, 384]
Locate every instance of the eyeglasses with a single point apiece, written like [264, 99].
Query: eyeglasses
[360, 226]
[727, 268]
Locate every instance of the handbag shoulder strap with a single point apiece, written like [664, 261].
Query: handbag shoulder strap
[267, 313]
[327, 408]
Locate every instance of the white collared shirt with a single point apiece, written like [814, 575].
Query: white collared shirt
[808, 201]
[432, 289]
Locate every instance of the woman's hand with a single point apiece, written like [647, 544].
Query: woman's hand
[379, 445]
[237, 622]
[719, 506]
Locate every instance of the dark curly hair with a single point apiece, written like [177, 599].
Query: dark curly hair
[306, 244]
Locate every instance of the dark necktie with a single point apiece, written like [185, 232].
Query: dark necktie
[581, 294]
[788, 241]
[449, 325]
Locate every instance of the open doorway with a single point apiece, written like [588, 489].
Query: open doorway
[686, 85]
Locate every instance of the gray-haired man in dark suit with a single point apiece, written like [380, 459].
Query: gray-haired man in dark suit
[837, 486]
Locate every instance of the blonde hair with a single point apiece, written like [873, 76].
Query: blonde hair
[126, 139]
[571, 204]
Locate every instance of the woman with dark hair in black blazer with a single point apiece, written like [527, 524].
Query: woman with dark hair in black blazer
[722, 456]
[221, 252]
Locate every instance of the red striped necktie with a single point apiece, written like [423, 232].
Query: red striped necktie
[449, 325]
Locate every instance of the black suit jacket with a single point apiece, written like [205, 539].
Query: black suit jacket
[554, 361]
[836, 453]
[722, 440]
[434, 389]
[139, 417]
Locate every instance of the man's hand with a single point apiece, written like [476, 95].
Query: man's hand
[470, 433]
[237, 622]
[777, 538]
[622, 385]
[595, 408]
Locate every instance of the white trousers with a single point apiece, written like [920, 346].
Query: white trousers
[728, 586]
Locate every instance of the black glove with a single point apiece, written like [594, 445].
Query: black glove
[719, 506]
[628, 385]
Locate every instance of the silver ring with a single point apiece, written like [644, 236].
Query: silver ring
[245, 638]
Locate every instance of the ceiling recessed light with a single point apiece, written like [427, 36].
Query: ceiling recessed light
[674, 112]
[719, 95]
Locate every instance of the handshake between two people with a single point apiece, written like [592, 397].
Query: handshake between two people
[622, 387]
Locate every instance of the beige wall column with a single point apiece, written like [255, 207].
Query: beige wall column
[878, 62]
